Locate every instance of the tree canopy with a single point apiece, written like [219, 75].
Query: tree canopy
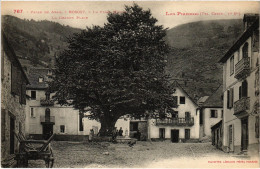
[117, 69]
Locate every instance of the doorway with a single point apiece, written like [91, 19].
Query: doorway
[47, 131]
[175, 136]
[244, 139]
[162, 133]
[230, 138]
[12, 128]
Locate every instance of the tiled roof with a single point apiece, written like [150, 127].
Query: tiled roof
[34, 74]
[215, 100]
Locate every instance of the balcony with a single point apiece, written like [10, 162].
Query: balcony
[176, 121]
[45, 102]
[241, 107]
[47, 119]
[242, 68]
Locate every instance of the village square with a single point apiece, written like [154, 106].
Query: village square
[128, 93]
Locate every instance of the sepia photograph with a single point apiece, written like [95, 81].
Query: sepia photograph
[130, 84]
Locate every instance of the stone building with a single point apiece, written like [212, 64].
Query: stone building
[13, 101]
[241, 91]
[211, 112]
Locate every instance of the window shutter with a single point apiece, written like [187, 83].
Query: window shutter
[13, 79]
[231, 97]
[240, 92]
[216, 113]
[23, 93]
[228, 99]
[19, 83]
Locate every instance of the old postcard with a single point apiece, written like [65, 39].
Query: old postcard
[130, 84]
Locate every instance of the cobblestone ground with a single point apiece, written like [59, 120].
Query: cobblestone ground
[142, 154]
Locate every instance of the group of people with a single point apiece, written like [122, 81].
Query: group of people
[115, 133]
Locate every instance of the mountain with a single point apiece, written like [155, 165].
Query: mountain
[36, 43]
[193, 60]
[196, 49]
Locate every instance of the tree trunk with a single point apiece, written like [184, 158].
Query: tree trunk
[107, 126]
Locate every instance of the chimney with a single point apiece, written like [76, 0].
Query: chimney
[249, 19]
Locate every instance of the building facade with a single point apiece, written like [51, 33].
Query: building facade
[13, 101]
[181, 126]
[45, 117]
[241, 91]
[217, 135]
[211, 112]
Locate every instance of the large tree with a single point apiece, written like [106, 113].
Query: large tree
[117, 69]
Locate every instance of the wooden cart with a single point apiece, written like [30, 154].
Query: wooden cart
[34, 150]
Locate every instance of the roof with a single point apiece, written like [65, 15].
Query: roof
[215, 100]
[240, 41]
[216, 125]
[176, 84]
[34, 74]
[12, 56]
[202, 100]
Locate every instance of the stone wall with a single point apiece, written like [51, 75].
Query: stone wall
[10, 107]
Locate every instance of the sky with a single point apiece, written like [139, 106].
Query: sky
[81, 14]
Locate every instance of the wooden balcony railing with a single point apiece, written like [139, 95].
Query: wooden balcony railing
[47, 119]
[176, 121]
[241, 106]
[242, 68]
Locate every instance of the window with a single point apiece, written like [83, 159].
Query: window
[245, 50]
[23, 94]
[244, 88]
[222, 113]
[32, 114]
[49, 72]
[213, 113]
[62, 128]
[134, 126]
[15, 80]
[230, 98]
[162, 133]
[187, 115]
[187, 133]
[33, 95]
[40, 79]
[182, 100]
[81, 115]
[232, 65]
[175, 114]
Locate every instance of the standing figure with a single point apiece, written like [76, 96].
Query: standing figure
[120, 133]
[91, 134]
